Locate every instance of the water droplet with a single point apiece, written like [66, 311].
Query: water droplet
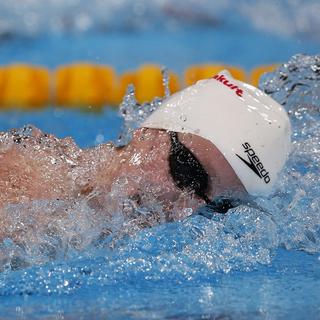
[134, 114]
[166, 81]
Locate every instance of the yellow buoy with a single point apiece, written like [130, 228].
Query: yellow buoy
[2, 85]
[191, 75]
[174, 82]
[205, 71]
[24, 86]
[149, 83]
[85, 84]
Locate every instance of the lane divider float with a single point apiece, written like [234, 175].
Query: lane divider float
[92, 85]
[197, 72]
[25, 86]
[84, 84]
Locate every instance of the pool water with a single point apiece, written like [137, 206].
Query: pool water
[117, 288]
[126, 34]
[257, 262]
[89, 128]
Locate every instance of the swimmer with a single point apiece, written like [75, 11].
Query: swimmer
[218, 138]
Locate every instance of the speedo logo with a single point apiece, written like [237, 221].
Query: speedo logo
[221, 78]
[254, 163]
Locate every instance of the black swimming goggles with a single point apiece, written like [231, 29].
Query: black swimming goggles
[189, 175]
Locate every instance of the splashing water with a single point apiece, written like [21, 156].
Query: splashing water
[134, 114]
[295, 206]
[101, 252]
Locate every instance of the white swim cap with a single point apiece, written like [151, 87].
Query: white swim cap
[248, 127]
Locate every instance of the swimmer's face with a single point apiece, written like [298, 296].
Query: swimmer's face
[145, 162]
[146, 159]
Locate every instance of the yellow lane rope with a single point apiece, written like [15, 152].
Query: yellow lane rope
[92, 85]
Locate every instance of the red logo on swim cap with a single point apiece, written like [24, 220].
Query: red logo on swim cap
[221, 78]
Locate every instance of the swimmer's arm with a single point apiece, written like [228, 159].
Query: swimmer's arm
[24, 178]
[17, 177]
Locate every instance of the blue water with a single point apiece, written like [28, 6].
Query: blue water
[174, 49]
[86, 128]
[100, 288]
[253, 263]
[126, 34]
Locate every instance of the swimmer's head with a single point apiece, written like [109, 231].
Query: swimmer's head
[249, 128]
